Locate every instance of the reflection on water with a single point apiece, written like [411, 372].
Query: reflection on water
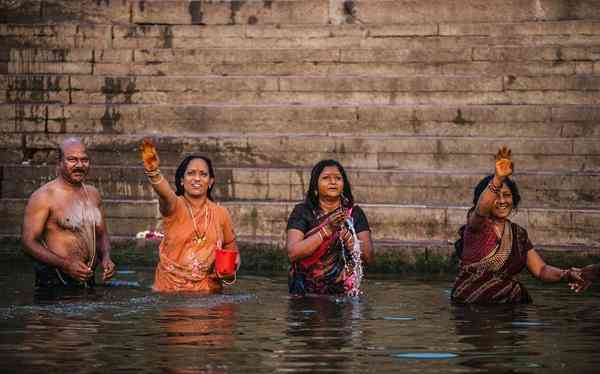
[255, 327]
[322, 333]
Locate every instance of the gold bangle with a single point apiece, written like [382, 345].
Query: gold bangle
[325, 232]
[152, 173]
[320, 235]
[495, 189]
[158, 181]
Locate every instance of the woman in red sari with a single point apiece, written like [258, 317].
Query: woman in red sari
[493, 250]
[194, 225]
[319, 240]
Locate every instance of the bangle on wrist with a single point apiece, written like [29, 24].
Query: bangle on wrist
[320, 235]
[158, 181]
[152, 173]
[563, 273]
[492, 187]
[325, 233]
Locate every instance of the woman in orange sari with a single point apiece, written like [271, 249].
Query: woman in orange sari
[194, 225]
[493, 250]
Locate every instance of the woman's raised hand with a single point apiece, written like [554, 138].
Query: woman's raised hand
[149, 155]
[504, 165]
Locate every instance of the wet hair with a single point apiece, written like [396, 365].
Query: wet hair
[312, 198]
[481, 186]
[180, 172]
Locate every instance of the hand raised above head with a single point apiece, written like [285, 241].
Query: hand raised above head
[149, 155]
[504, 164]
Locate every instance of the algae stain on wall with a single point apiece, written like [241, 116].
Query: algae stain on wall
[195, 10]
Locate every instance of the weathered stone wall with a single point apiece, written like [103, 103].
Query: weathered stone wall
[414, 97]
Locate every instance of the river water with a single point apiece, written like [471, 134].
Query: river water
[399, 325]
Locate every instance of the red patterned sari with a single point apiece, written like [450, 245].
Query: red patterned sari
[490, 265]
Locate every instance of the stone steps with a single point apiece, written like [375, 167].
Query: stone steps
[415, 153]
[413, 98]
[432, 39]
[321, 12]
[388, 221]
[541, 190]
[555, 121]
[348, 90]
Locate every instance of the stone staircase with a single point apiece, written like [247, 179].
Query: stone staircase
[414, 98]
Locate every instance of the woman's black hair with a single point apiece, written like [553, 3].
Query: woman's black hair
[312, 198]
[180, 172]
[481, 186]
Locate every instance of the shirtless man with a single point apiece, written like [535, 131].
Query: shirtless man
[64, 228]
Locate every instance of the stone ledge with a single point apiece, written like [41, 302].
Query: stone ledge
[550, 190]
[265, 255]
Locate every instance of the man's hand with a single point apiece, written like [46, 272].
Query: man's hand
[76, 269]
[108, 268]
[149, 155]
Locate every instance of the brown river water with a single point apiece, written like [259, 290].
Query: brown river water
[398, 325]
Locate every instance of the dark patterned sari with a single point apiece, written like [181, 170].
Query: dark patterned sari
[490, 265]
[327, 270]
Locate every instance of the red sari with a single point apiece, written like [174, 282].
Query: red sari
[490, 265]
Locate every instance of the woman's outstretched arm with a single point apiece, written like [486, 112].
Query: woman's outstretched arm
[166, 195]
[539, 269]
[504, 169]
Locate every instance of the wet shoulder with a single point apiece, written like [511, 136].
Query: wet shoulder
[46, 194]
[301, 218]
[520, 230]
[221, 211]
[361, 223]
[93, 194]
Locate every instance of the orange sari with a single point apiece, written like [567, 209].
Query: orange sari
[186, 264]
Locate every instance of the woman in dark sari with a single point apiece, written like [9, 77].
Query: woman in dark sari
[324, 232]
[493, 250]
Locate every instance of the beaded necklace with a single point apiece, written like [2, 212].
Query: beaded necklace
[200, 237]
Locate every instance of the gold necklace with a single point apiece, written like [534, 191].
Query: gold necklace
[200, 238]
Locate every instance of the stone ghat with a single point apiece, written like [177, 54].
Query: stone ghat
[416, 153]
[414, 98]
[206, 12]
[548, 190]
[391, 222]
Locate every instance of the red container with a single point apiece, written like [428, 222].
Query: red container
[225, 262]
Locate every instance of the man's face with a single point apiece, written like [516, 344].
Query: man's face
[75, 163]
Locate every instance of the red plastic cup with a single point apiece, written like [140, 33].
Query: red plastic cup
[225, 263]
